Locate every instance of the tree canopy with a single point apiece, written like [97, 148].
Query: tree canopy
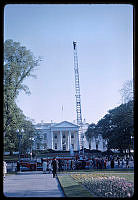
[91, 133]
[117, 126]
[19, 63]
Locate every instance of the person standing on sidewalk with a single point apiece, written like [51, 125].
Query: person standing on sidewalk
[44, 166]
[4, 169]
[54, 165]
[18, 166]
[122, 162]
[118, 162]
[127, 162]
[112, 163]
[49, 166]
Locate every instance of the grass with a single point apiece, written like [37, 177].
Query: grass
[98, 171]
[72, 188]
[123, 174]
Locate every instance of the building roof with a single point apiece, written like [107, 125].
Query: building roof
[64, 124]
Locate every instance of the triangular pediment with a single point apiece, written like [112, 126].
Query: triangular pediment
[65, 124]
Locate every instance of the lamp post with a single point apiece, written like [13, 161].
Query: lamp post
[19, 134]
[31, 140]
[132, 141]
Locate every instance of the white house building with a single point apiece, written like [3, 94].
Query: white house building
[56, 136]
[63, 135]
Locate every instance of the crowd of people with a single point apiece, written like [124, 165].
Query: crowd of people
[110, 162]
[94, 163]
[63, 164]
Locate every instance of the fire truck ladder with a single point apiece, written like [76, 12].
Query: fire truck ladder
[78, 99]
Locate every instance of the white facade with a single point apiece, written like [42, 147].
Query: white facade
[56, 136]
[60, 136]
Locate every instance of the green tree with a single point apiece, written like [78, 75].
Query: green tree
[91, 134]
[19, 63]
[117, 126]
[11, 139]
[29, 134]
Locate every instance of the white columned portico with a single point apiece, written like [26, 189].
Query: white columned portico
[61, 146]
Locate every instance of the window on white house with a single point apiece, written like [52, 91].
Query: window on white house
[55, 145]
[64, 147]
[72, 135]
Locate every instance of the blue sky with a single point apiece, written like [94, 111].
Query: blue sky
[104, 35]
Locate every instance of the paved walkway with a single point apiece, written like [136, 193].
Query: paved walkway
[31, 184]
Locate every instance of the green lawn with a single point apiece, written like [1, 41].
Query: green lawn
[98, 171]
[72, 188]
[129, 174]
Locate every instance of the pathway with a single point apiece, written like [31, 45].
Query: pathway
[32, 184]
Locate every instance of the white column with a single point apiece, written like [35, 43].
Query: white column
[75, 141]
[78, 142]
[52, 139]
[61, 146]
[69, 140]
